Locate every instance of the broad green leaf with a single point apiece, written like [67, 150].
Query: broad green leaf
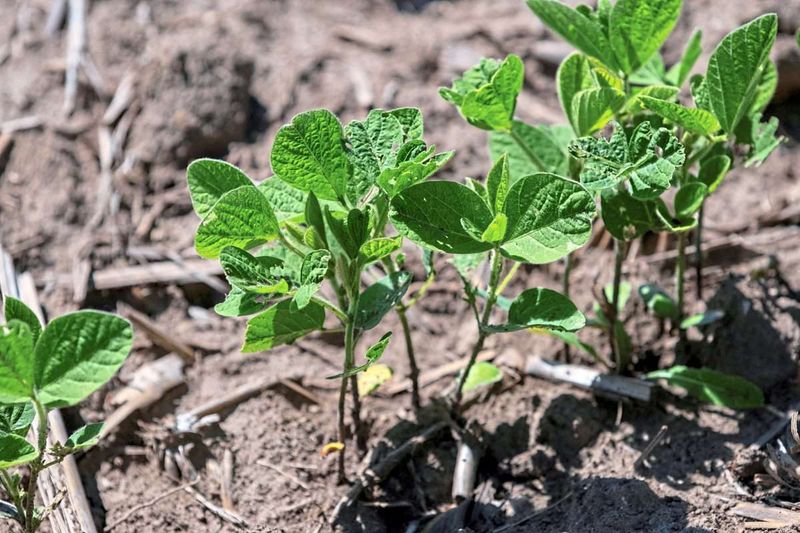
[373, 377]
[604, 160]
[15, 451]
[496, 230]
[592, 109]
[713, 171]
[482, 374]
[16, 362]
[314, 217]
[625, 217]
[376, 249]
[764, 140]
[680, 71]
[624, 294]
[655, 162]
[735, 69]
[209, 179]
[287, 203]
[652, 72]
[712, 386]
[77, 354]
[396, 179]
[765, 89]
[241, 218]
[411, 121]
[693, 119]
[497, 183]
[582, 32]
[659, 92]
[702, 319]
[700, 94]
[472, 80]
[532, 149]
[574, 75]
[658, 301]
[16, 418]
[281, 324]
[548, 217]
[430, 213]
[689, 199]
[260, 275]
[17, 310]
[638, 28]
[374, 353]
[312, 273]
[84, 437]
[380, 298]
[373, 143]
[491, 107]
[542, 308]
[241, 303]
[309, 154]
[349, 231]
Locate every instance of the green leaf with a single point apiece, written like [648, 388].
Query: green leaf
[312, 273]
[84, 437]
[77, 354]
[497, 183]
[482, 374]
[689, 199]
[16, 418]
[372, 149]
[624, 294]
[410, 119]
[658, 301]
[14, 309]
[652, 72]
[314, 217]
[765, 89]
[287, 203]
[571, 338]
[625, 217]
[380, 298]
[702, 319]
[496, 230]
[532, 149]
[373, 377]
[260, 275]
[241, 303]
[659, 92]
[548, 217]
[679, 72]
[407, 173]
[374, 353]
[346, 230]
[241, 218]
[309, 154]
[582, 32]
[15, 451]
[764, 140]
[693, 119]
[209, 179]
[466, 263]
[376, 249]
[574, 75]
[713, 170]
[735, 69]
[542, 308]
[700, 94]
[431, 212]
[638, 28]
[592, 109]
[657, 155]
[712, 386]
[491, 107]
[603, 159]
[16, 362]
[281, 324]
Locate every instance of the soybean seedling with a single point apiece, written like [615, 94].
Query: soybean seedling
[539, 219]
[42, 368]
[321, 218]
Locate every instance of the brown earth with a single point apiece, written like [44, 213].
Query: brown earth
[217, 78]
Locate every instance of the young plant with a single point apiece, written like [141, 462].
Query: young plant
[538, 219]
[322, 217]
[42, 368]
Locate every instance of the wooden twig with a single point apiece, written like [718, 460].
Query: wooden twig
[650, 447]
[76, 47]
[189, 271]
[229, 517]
[123, 97]
[769, 515]
[30, 122]
[609, 385]
[158, 335]
[465, 470]
[149, 503]
[294, 479]
[55, 17]
[226, 481]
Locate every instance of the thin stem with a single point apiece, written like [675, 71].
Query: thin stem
[506, 280]
[349, 362]
[528, 152]
[619, 257]
[36, 466]
[341, 315]
[565, 288]
[680, 268]
[421, 292]
[291, 247]
[698, 253]
[497, 266]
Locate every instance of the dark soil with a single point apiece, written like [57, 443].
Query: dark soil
[218, 78]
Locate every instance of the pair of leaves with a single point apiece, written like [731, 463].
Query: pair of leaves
[486, 95]
[282, 323]
[588, 99]
[532, 149]
[72, 357]
[714, 387]
[545, 217]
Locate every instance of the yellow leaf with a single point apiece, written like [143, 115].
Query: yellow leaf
[331, 447]
[372, 378]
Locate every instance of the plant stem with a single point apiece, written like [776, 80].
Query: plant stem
[680, 267]
[413, 373]
[506, 280]
[341, 315]
[698, 253]
[36, 466]
[497, 266]
[567, 272]
[619, 257]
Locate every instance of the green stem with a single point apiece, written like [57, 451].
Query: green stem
[565, 288]
[36, 467]
[506, 280]
[680, 268]
[497, 266]
[530, 154]
[291, 247]
[352, 287]
[619, 257]
[698, 253]
[341, 315]
[421, 291]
